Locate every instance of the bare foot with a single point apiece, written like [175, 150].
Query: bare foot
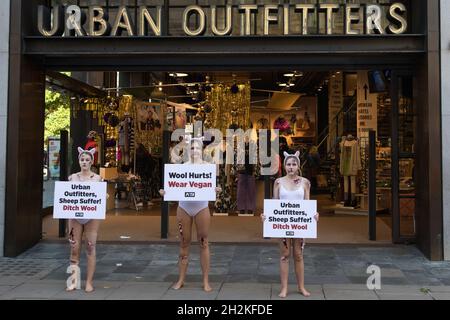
[89, 288]
[70, 289]
[207, 287]
[178, 285]
[304, 292]
[283, 293]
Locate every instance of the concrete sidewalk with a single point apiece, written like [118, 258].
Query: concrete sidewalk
[238, 272]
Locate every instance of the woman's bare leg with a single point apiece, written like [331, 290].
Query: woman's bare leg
[75, 236]
[91, 232]
[285, 250]
[202, 222]
[299, 266]
[184, 229]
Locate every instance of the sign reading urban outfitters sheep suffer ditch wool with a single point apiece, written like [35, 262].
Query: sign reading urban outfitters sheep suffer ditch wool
[187, 182]
[290, 219]
[79, 200]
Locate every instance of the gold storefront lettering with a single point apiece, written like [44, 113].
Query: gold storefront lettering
[94, 21]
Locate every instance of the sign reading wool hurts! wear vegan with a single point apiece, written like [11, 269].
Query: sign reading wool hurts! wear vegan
[290, 219]
[186, 182]
[79, 200]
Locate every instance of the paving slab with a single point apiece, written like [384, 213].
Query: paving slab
[192, 291]
[440, 295]
[12, 281]
[293, 294]
[97, 294]
[34, 291]
[395, 281]
[316, 279]
[245, 291]
[341, 294]
[404, 271]
[438, 288]
[140, 291]
[5, 289]
[356, 287]
[391, 273]
[403, 295]
[395, 288]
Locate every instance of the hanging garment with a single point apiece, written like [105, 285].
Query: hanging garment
[350, 160]
[246, 192]
[131, 134]
[122, 133]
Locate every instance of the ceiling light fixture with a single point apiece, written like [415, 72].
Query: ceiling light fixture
[178, 74]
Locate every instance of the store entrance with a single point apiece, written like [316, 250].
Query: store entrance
[325, 115]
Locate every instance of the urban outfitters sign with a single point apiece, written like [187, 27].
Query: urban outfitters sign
[250, 19]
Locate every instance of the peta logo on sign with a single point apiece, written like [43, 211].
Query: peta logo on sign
[189, 194]
[289, 233]
[79, 214]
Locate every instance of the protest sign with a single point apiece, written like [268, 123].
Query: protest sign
[187, 182]
[79, 200]
[290, 218]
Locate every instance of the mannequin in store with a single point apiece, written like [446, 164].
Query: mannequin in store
[350, 164]
[197, 212]
[313, 165]
[306, 124]
[292, 186]
[88, 227]
[126, 138]
[145, 166]
[246, 187]
[224, 201]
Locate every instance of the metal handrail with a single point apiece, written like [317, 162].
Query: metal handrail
[353, 104]
[337, 115]
[332, 123]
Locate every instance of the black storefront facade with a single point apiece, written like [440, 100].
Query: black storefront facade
[415, 52]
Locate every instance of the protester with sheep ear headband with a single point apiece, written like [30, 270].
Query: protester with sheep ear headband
[188, 213]
[87, 226]
[292, 187]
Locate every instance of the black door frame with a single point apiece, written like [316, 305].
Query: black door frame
[396, 155]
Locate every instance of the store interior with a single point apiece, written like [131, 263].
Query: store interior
[326, 115]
